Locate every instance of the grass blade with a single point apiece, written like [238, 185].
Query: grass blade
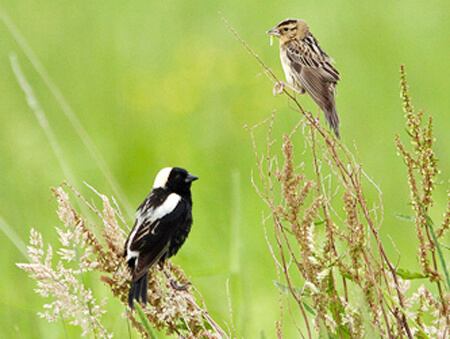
[430, 226]
[12, 235]
[67, 110]
[144, 321]
[39, 113]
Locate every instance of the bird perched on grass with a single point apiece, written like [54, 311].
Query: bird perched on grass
[307, 67]
[163, 222]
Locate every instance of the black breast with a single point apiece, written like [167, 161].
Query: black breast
[180, 234]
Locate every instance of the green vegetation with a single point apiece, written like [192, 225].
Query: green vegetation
[163, 84]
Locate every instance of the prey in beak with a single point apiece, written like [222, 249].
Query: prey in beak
[274, 31]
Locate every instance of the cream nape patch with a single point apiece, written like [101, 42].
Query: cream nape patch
[162, 177]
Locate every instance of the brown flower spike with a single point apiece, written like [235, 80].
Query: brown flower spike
[307, 67]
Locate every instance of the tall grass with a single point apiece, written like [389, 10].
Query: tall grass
[65, 107]
[335, 278]
[326, 249]
[334, 265]
[84, 249]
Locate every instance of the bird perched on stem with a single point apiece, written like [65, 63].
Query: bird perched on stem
[163, 222]
[307, 67]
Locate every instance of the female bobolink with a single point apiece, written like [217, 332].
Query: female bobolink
[163, 222]
[307, 67]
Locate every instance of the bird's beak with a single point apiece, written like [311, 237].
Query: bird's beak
[274, 31]
[191, 178]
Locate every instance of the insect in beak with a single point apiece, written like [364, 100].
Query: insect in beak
[274, 31]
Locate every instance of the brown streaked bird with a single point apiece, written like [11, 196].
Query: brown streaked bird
[307, 67]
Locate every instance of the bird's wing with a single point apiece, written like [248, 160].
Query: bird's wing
[152, 239]
[316, 74]
[313, 68]
[308, 54]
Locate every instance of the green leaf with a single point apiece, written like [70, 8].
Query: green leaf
[346, 276]
[445, 246]
[407, 275]
[431, 227]
[283, 288]
[404, 217]
[309, 308]
[407, 315]
[144, 321]
[288, 230]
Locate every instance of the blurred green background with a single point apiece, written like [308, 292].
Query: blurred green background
[164, 83]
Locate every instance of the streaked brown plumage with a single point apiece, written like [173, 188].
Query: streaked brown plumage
[307, 67]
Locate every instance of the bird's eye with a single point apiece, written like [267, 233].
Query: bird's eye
[285, 29]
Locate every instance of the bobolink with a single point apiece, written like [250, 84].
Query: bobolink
[307, 67]
[163, 222]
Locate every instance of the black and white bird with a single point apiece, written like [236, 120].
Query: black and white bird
[163, 222]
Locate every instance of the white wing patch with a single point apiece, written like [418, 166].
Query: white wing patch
[150, 215]
[165, 208]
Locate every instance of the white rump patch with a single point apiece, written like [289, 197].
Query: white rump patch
[162, 177]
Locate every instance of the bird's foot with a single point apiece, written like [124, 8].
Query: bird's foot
[177, 287]
[278, 88]
[172, 282]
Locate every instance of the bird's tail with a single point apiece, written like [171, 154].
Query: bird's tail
[138, 291]
[331, 116]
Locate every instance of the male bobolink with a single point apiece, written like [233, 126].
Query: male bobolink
[307, 67]
[163, 222]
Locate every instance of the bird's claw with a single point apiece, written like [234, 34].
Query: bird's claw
[278, 88]
[177, 287]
